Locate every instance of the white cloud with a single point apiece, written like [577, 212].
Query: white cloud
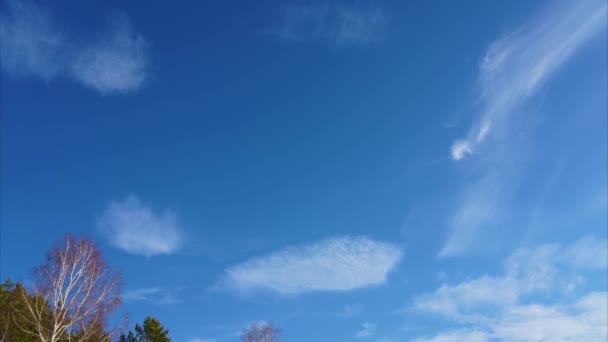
[352, 310]
[526, 271]
[461, 149]
[34, 46]
[483, 131]
[154, 295]
[456, 336]
[458, 301]
[545, 266]
[504, 308]
[477, 208]
[31, 44]
[588, 253]
[336, 25]
[116, 63]
[584, 320]
[498, 142]
[384, 339]
[367, 330]
[517, 65]
[336, 264]
[137, 229]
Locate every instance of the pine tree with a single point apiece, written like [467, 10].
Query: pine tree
[152, 331]
[13, 325]
[130, 337]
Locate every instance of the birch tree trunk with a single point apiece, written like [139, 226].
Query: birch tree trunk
[78, 289]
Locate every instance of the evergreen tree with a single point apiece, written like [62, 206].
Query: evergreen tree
[152, 331]
[130, 337]
[13, 313]
[93, 332]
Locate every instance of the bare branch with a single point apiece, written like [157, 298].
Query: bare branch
[77, 287]
[261, 333]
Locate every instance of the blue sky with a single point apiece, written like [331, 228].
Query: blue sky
[350, 170]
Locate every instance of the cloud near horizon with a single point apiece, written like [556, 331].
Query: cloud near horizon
[336, 264]
[115, 61]
[514, 305]
[137, 229]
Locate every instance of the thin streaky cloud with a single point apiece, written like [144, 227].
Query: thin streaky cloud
[356, 27]
[352, 310]
[477, 207]
[368, 329]
[512, 71]
[336, 25]
[515, 66]
[154, 295]
[336, 264]
[385, 339]
[137, 229]
[114, 61]
[456, 336]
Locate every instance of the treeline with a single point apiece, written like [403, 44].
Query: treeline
[73, 294]
[16, 326]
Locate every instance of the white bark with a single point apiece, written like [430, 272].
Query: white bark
[77, 287]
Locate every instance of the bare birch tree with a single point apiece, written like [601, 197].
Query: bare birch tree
[258, 332]
[78, 289]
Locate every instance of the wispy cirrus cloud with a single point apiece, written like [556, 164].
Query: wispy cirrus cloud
[368, 329]
[336, 264]
[477, 207]
[31, 42]
[34, 46]
[352, 310]
[516, 66]
[506, 307]
[137, 229]
[154, 295]
[512, 71]
[456, 336]
[336, 25]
